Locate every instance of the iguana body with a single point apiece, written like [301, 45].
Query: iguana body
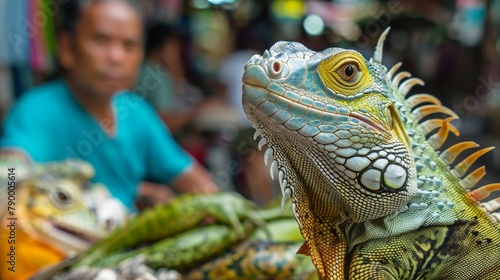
[373, 197]
[175, 236]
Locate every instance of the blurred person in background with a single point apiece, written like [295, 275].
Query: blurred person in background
[162, 78]
[90, 114]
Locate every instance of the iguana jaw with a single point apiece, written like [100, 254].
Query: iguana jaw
[69, 227]
[75, 236]
[323, 225]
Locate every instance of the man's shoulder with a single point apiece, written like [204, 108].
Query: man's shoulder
[45, 95]
[44, 103]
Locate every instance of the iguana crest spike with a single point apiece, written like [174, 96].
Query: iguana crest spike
[464, 165]
[429, 125]
[393, 70]
[379, 49]
[485, 191]
[473, 178]
[399, 77]
[421, 98]
[449, 155]
[427, 110]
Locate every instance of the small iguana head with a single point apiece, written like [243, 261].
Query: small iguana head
[52, 206]
[330, 121]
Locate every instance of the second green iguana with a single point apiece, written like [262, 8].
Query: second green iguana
[373, 196]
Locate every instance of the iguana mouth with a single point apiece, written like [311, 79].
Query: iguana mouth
[250, 84]
[82, 236]
[368, 121]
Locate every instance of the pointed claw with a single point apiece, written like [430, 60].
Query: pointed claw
[262, 142]
[471, 180]
[418, 99]
[268, 155]
[485, 191]
[464, 165]
[274, 167]
[406, 86]
[288, 193]
[258, 132]
[286, 196]
[449, 155]
[379, 49]
[393, 70]
[400, 76]
[424, 111]
[283, 185]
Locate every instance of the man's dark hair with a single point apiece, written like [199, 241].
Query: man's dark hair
[157, 35]
[73, 10]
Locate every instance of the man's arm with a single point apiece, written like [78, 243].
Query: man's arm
[167, 162]
[195, 179]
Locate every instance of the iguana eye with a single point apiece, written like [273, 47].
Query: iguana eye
[345, 73]
[349, 72]
[62, 196]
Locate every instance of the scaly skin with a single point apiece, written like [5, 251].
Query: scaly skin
[182, 214]
[257, 260]
[183, 244]
[181, 251]
[372, 196]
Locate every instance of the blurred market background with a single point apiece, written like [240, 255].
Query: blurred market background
[201, 45]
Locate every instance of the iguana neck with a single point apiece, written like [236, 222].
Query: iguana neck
[322, 216]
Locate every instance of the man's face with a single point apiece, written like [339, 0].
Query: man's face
[104, 54]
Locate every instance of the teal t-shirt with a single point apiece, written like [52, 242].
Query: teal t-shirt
[49, 124]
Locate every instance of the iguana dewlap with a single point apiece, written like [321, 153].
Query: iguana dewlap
[373, 196]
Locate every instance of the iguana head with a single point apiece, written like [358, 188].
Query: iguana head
[331, 110]
[51, 205]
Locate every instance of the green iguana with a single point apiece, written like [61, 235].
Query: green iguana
[54, 211]
[177, 236]
[373, 196]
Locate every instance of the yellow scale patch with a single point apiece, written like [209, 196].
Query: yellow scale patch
[330, 72]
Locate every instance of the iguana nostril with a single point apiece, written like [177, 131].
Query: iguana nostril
[276, 66]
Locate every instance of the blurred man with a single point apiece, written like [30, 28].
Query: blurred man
[89, 115]
[163, 81]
